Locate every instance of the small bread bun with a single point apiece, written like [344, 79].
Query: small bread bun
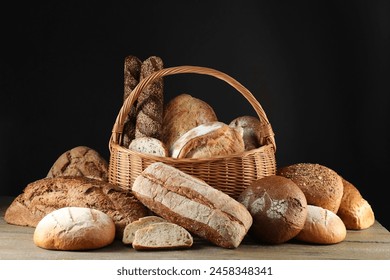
[278, 209]
[251, 129]
[322, 227]
[149, 145]
[354, 210]
[208, 140]
[74, 228]
[321, 185]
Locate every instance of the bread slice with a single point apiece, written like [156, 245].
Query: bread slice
[130, 229]
[208, 140]
[149, 145]
[163, 235]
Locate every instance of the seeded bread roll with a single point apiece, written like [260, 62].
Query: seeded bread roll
[130, 229]
[251, 130]
[321, 185]
[183, 113]
[161, 236]
[149, 145]
[191, 203]
[322, 227]
[208, 140]
[74, 228]
[150, 103]
[43, 196]
[80, 161]
[132, 71]
[355, 211]
[278, 208]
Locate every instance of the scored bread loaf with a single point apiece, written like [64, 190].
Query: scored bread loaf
[130, 229]
[80, 161]
[74, 228]
[150, 103]
[208, 140]
[182, 113]
[43, 196]
[191, 203]
[160, 236]
[149, 145]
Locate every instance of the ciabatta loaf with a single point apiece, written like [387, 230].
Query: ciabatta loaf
[191, 203]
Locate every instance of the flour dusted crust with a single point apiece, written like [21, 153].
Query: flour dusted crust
[74, 228]
[191, 203]
[80, 161]
[149, 145]
[250, 128]
[355, 211]
[183, 113]
[278, 207]
[208, 140]
[321, 185]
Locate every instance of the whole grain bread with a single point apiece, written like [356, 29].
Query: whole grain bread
[43, 196]
[191, 203]
[149, 145]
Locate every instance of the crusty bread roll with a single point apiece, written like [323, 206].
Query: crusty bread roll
[182, 113]
[192, 204]
[208, 140]
[149, 145]
[43, 196]
[80, 161]
[160, 236]
[355, 211]
[74, 228]
[278, 208]
[251, 131]
[130, 229]
[321, 185]
[322, 227]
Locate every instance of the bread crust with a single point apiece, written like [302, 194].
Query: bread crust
[251, 131]
[43, 196]
[192, 204]
[149, 145]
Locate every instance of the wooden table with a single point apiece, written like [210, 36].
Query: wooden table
[371, 244]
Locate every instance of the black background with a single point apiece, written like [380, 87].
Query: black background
[320, 70]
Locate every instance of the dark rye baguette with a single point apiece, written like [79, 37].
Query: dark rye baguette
[44, 196]
[191, 203]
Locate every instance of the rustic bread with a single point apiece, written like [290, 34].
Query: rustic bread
[278, 208]
[132, 72]
[322, 226]
[150, 102]
[208, 140]
[74, 228]
[355, 211]
[251, 131]
[160, 236]
[130, 229]
[182, 113]
[80, 161]
[149, 145]
[321, 185]
[43, 196]
[191, 203]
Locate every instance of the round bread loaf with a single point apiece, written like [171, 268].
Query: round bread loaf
[149, 145]
[278, 208]
[322, 227]
[80, 161]
[251, 129]
[321, 185]
[74, 228]
[355, 211]
[182, 113]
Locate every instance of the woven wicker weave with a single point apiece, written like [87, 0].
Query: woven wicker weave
[230, 174]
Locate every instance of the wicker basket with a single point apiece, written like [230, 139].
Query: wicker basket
[230, 174]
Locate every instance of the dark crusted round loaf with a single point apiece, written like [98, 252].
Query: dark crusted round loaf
[278, 208]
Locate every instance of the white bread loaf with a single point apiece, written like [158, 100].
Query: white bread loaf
[130, 229]
[322, 226]
[149, 145]
[159, 236]
[191, 203]
[208, 140]
[74, 228]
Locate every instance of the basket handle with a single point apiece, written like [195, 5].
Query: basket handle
[117, 130]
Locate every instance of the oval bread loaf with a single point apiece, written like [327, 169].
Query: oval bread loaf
[74, 228]
[191, 203]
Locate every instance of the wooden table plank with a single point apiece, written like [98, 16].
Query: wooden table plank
[370, 244]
